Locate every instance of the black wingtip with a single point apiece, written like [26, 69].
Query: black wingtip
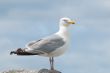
[15, 52]
[12, 52]
[20, 51]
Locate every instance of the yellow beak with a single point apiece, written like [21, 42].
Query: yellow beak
[71, 22]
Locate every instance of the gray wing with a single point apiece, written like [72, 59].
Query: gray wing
[47, 45]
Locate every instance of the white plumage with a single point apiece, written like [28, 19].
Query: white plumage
[51, 46]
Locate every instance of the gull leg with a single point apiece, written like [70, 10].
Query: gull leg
[52, 64]
[51, 60]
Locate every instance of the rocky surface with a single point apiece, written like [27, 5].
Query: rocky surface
[31, 71]
[20, 71]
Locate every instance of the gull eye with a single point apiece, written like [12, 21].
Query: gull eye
[65, 20]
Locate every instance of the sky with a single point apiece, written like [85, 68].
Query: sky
[22, 21]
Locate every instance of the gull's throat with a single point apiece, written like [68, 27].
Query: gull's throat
[63, 32]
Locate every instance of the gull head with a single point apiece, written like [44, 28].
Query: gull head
[66, 22]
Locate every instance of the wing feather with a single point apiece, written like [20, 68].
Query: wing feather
[47, 45]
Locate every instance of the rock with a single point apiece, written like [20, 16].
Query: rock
[43, 71]
[21, 71]
[31, 71]
[48, 71]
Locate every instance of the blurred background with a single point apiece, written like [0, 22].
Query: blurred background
[22, 21]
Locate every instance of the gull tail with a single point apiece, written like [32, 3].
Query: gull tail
[22, 52]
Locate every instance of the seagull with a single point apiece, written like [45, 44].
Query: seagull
[50, 46]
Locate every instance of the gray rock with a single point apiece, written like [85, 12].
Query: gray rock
[21, 71]
[31, 71]
[48, 71]
[43, 71]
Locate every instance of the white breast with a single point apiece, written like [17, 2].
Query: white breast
[59, 51]
[62, 49]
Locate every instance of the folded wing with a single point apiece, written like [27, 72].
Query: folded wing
[46, 45]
